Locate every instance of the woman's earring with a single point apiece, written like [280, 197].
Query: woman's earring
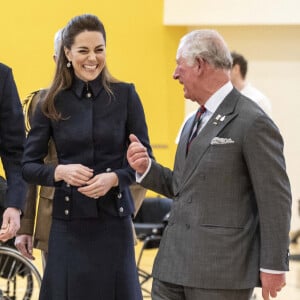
[69, 64]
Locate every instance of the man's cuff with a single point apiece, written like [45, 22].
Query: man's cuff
[272, 271]
[139, 177]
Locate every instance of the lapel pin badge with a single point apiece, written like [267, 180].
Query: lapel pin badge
[218, 118]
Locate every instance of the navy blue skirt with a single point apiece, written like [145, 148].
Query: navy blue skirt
[91, 259]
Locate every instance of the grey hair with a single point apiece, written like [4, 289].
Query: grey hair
[206, 44]
[57, 42]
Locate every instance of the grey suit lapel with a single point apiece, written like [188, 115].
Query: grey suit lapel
[222, 116]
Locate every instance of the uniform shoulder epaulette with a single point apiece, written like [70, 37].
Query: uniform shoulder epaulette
[28, 108]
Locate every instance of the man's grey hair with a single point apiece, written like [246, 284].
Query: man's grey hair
[57, 42]
[206, 44]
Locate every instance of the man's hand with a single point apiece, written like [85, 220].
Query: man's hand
[24, 244]
[10, 224]
[137, 155]
[271, 284]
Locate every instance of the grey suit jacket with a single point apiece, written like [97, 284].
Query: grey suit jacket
[232, 201]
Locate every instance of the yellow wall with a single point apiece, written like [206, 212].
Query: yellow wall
[140, 50]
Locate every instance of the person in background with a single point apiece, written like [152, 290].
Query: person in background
[12, 138]
[36, 223]
[228, 229]
[89, 115]
[238, 78]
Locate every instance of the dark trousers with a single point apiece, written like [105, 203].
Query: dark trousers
[168, 291]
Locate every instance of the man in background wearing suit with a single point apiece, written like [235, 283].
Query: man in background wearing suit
[12, 138]
[228, 230]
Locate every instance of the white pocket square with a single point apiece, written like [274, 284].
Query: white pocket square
[221, 141]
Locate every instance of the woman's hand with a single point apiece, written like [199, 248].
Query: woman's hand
[99, 185]
[73, 174]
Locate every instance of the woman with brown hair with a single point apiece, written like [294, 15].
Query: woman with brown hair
[89, 116]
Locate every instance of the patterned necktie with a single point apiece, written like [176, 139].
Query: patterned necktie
[197, 122]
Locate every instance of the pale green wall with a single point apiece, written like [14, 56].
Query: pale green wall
[231, 12]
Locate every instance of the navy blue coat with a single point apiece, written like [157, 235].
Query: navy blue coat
[12, 138]
[93, 132]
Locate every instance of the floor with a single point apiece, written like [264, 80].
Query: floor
[290, 292]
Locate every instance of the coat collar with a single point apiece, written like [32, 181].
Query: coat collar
[81, 88]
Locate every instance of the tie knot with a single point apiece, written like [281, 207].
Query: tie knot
[202, 109]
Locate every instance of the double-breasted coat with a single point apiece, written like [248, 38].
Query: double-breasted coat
[232, 201]
[37, 215]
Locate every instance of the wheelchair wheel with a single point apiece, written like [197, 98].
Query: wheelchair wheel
[19, 278]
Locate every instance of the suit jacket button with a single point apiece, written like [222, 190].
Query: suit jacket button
[67, 198]
[121, 209]
[68, 184]
[66, 212]
[119, 196]
[108, 170]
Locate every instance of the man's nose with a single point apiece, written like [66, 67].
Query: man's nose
[175, 74]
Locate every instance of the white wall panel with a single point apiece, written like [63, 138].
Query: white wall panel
[231, 12]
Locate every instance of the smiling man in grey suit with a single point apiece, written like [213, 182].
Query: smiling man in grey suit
[229, 225]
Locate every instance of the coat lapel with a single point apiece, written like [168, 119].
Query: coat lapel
[222, 116]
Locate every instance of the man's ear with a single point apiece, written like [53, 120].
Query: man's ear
[236, 69]
[200, 63]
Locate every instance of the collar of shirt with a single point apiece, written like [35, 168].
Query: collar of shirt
[214, 101]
